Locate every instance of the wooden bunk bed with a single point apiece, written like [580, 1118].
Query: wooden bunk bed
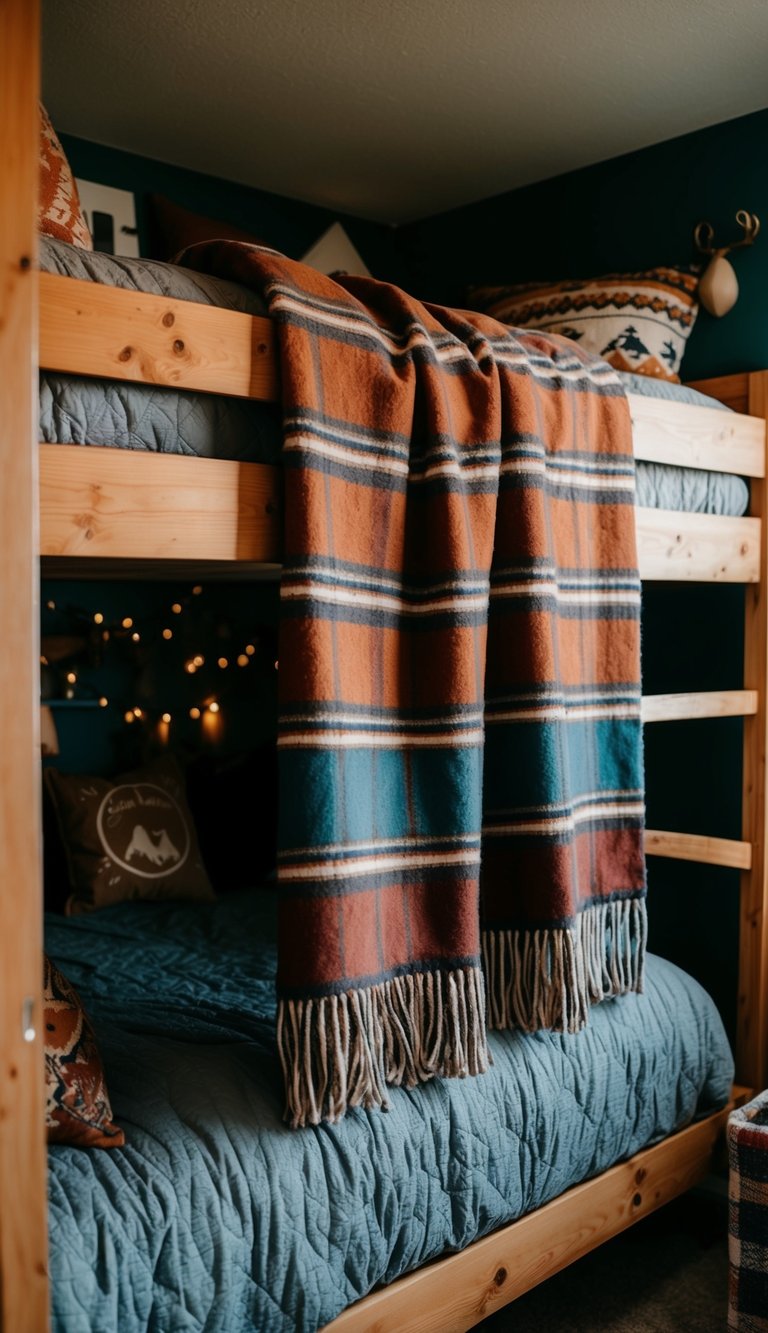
[98, 512]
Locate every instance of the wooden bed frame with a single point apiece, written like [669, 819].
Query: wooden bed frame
[92, 512]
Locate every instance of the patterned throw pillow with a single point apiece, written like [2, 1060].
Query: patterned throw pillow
[128, 837]
[58, 210]
[77, 1107]
[635, 321]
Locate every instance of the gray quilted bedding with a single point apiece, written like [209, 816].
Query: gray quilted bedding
[216, 1218]
[120, 415]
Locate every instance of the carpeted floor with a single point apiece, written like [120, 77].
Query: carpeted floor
[668, 1274]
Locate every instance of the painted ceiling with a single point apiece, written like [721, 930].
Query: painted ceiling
[397, 109]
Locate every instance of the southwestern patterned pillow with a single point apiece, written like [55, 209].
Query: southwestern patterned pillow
[77, 1103]
[128, 837]
[58, 210]
[635, 321]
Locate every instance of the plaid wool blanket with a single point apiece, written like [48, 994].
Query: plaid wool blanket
[459, 729]
[748, 1217]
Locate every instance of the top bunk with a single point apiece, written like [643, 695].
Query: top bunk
[107, 511]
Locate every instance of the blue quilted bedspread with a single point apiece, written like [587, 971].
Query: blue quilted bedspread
[215, 1216]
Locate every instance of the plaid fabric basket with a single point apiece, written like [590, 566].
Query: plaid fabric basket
[748, 1217]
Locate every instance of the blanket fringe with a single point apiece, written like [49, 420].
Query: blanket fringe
[340, 1051]
[548, 978]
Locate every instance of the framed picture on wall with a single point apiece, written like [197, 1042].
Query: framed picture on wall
[111, 218]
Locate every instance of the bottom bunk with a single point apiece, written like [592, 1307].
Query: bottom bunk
[170, 1230]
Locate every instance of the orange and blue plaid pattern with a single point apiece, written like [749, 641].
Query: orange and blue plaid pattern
[459, 675]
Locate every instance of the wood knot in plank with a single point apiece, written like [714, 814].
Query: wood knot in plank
[262, 348]
[640, 1175]
[126, 354]
[169, 319]
[500, 1277]
[637, 1199]
[178, 346]
[25, 263]
[85, 522]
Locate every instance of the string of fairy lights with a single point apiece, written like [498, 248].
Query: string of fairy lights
[92, 633]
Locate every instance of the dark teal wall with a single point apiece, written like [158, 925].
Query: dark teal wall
[632, 212]
[286, 224]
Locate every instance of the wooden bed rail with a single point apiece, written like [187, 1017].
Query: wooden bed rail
[124, 504]
[454, 1294]
[99, 504]
[89, 329]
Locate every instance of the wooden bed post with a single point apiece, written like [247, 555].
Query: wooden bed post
[752, 1017]
[23, 1213]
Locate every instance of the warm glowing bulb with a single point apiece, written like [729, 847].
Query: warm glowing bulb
[71, 677]
[213, 707]
[98, 618]
[127, 622]
[198, 660]
[194, 712]
[176, 608]
[277, 666]
[166, 718]
[197, 590]
[190, 667]
[249, 648]
[103, 701]
[137, 712]
[223, 663]
[129, 717]
[167, 633]
[43, 660]
[51, 605]
[105, 635]
[242, 660]
[136, 636]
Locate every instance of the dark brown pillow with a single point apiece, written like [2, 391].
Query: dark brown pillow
[128, 837]
[77, 1107]
[173, 228]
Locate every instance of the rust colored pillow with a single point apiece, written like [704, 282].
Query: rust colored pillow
[128, 837]
[58, 210]
[77, 1107]
[174, 228]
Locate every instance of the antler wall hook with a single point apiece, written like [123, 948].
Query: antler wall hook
[718, 285]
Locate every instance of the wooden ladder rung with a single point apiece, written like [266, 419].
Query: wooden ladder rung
[694, 847]
[707, 703]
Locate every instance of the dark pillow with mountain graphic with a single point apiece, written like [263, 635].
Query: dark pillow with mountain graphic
[128, 837]
[638, 322]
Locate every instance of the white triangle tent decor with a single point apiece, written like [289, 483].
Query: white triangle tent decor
[335, 253]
